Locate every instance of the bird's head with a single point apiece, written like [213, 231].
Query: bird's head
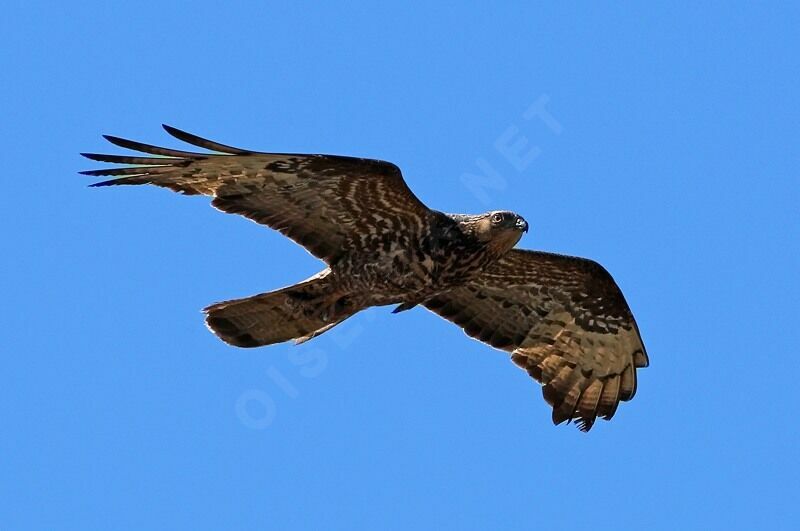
[500, 229]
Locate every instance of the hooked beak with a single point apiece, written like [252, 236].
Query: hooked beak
[522, 225]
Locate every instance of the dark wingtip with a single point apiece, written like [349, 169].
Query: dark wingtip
[204, 143]
[118, 141]
[153, 150]
[180, 134]
[103, 183]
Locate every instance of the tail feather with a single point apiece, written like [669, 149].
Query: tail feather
[297, 312]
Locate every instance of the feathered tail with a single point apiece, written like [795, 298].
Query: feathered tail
[298, 312]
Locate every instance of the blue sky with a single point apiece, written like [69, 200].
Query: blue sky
[671, 154]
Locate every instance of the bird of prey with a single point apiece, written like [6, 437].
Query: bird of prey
[562, 319]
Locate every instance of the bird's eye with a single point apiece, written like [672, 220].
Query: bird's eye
[497, 218]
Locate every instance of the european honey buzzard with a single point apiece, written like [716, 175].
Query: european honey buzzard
[562, 319]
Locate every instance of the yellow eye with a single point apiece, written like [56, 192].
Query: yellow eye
[497, 218]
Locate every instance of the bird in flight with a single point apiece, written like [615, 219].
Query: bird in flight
[562, 319]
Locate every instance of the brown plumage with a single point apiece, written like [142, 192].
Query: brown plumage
[563, 319]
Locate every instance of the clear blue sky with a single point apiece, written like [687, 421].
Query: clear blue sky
[671, 155]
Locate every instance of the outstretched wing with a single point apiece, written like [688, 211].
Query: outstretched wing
[328, 204]
[564, 320]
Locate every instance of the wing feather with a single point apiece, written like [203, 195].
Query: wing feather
[566, 323]
[204, 143]
[148, 148]
[123, 159]
[329, 204]
[136, 170]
